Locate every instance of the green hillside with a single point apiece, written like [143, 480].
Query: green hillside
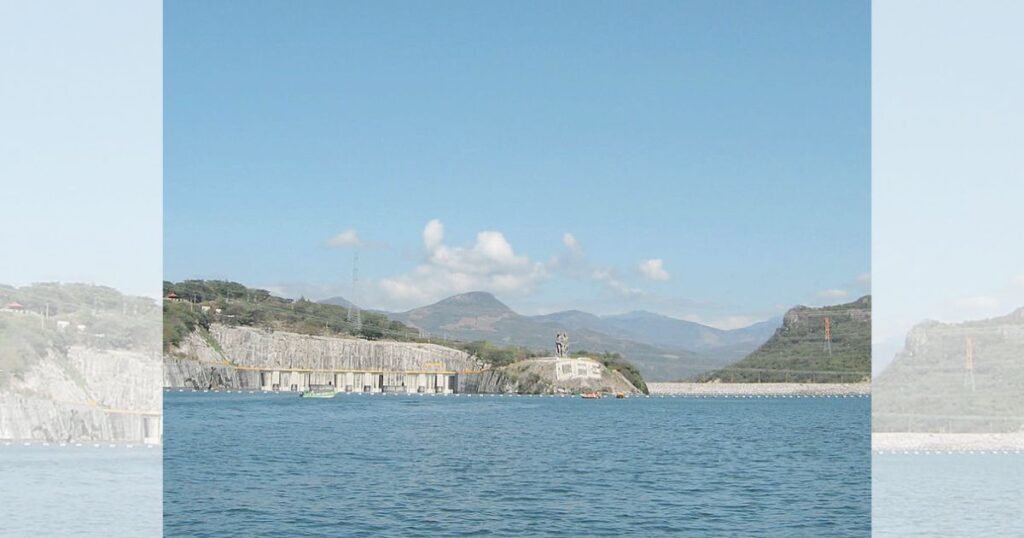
[232, 303]
[955, 378]
[51, 317]
[797, 352]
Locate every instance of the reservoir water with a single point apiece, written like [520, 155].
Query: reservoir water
[937, 495]
[83, 491]
[242, 464]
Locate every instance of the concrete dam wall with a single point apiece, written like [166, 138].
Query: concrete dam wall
[254, 359]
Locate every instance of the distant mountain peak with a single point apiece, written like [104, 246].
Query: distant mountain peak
[476, 298]
[638, 314]
[562, 314]
[472, 296]
[338, 301]
[469, 303]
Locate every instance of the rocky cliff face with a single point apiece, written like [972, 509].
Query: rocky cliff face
[85, 395]
[193, 374]
[247, 347]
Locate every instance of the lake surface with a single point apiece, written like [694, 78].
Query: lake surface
[934, 495]
[276, 464]
[80, 491]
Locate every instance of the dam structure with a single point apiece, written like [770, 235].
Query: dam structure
[249, 358]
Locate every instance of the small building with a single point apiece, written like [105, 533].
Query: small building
[172, 297]
[14, 307]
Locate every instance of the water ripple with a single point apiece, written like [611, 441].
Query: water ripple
[266, 465]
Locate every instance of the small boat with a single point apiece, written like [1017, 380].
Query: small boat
[319, 391]
[591, 395]
[317, 394]
[620, 395]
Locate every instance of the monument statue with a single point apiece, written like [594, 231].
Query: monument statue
[562, 344]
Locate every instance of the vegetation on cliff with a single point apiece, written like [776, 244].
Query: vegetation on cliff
[954, 378]
[201, 302]
[798, 351]
[617, 363]
[41, 321]
[495, 355]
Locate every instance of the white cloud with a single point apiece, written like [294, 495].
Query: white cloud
[654, 269]
[571, 243]
[608, 278]
[490, 264]
[433, 234]
[348, 238]
[833, 294]
[573, 262]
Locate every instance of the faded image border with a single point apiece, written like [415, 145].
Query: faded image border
[80, 328]
[948, 282]
[80, 234]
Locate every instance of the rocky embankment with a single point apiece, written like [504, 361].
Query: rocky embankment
[947, 442]
[760, 389]
[548, 375]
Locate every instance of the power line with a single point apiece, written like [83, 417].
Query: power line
[355, 317]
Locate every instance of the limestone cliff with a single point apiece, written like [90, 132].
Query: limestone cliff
[88, 395]
[253, 349]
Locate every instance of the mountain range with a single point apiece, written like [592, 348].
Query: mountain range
[663, 348]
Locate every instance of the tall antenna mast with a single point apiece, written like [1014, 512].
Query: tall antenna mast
[828, 336]
[354, 316]
[969, 362]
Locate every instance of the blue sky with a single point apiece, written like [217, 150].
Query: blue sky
[708, 160]
[81, 106]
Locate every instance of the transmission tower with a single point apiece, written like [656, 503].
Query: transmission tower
[969, 362]
[828, 336]
[354, 316]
